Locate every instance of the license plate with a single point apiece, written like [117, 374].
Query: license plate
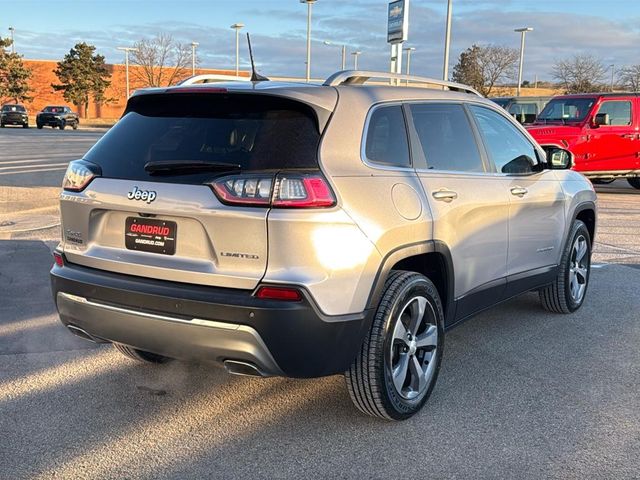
[150, 235]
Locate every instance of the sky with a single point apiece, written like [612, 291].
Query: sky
[608, 29]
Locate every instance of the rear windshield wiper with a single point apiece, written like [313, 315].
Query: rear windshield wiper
[174, 167]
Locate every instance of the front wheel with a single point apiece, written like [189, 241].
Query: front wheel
[634, 182]
[61, 126]
[398, 363]
[25, 125]
[567, 292]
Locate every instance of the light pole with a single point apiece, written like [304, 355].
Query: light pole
[447, 42]
[13, 47]
[309, 5]
[237, 27]
[126, 51]
[356, 54]
[344, 53]
[522, 31]
[613, 69]
[193, 57]
[409, 50]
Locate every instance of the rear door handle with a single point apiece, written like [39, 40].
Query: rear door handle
[519, 191]
[445, 195]
[629, 135]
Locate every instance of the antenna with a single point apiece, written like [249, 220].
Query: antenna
[255, 76]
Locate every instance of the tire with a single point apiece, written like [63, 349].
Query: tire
[1, 125]
[391, 347]
[139, 355]
[25, 125]
[567, 292]
[39, 126]
[61, 126]
[634, 182]
[602, 181]
[75, 125]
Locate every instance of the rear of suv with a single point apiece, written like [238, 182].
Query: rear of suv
[306, 230]
[601, 130]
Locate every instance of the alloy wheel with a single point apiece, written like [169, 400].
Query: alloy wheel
[414, 347]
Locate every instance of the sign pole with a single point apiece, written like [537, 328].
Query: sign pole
[397, 31]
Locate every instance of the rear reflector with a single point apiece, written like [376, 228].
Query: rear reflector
[279, 293]
[58, 259]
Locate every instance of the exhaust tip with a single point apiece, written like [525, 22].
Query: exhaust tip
[236, 367]
[79, 332]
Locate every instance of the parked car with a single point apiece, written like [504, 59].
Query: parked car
[57, 117]
[523, 109]
[14, 114]
[303, 230]
[601, 130]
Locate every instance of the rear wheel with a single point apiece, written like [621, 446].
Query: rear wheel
[567, 292]
[602, 181]
[398, 363]
[39, 126]
[1, 125]
[634, 182]
[25, 125]
[75, 125]
[139, 355]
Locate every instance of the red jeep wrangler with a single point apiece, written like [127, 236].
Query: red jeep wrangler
[602, 130]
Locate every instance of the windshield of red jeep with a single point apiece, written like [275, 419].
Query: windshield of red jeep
[566, 110]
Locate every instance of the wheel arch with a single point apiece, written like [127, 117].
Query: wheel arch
[431, 259]
[586, 212]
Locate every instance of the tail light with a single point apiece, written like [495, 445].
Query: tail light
[286, 190]
[79, 174]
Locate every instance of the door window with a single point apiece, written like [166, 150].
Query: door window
[508, 148]
[386, 140]
[446, 137]
[619, 112]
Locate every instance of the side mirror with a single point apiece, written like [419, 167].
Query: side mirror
[601, 119]
[558, 158]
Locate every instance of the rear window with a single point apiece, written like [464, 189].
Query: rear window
[257, 132]
[53, 109]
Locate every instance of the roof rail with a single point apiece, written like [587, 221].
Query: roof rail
[359, 77]
[212, 78]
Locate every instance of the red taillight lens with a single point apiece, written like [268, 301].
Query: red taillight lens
[287, 294]
[302, 192]
[294, 190]
[58, 259]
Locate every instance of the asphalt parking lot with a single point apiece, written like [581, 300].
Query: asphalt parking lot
[522, 393]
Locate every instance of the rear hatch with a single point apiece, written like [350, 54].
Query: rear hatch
[183, 184]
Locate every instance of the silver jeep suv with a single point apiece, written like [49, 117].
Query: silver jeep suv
[307, 230]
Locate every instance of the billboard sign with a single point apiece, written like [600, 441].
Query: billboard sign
[398, 23]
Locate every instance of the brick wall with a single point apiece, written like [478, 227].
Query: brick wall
[43, 94]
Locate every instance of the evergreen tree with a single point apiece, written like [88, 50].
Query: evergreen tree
[82, 74]
[14, 76]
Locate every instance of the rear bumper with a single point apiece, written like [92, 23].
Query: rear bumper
[193, 322]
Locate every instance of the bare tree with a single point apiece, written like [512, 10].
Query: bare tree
[161, 61]
[483, 67]
[581, 73]
[629, 76]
